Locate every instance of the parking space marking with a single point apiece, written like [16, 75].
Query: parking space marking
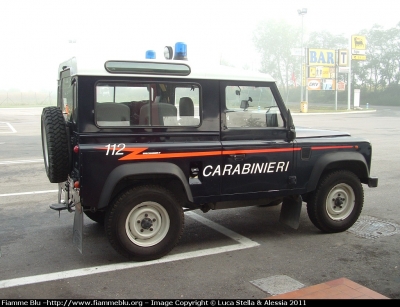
[6, 128]
[21, 161]
[243, 243]
[28, 193]
[225, 231]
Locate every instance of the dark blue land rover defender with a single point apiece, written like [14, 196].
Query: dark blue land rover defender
[133, 144]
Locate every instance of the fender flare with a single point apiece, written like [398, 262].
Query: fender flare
[140, 169]
[329, 158]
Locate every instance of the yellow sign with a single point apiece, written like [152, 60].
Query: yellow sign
[312, 73]
[321, 57]
[325, 72]
[343, 55]
[358, 57]
[358, 42]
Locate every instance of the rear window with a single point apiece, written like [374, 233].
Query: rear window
[120, 104]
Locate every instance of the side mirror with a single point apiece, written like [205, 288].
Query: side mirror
[290, 129]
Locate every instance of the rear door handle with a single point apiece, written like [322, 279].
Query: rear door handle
[238, 157]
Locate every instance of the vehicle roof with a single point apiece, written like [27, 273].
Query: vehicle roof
[92, 66]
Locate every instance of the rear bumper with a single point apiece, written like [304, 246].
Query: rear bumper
[372, 182]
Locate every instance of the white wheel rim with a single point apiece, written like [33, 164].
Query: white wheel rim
[340, 202]
[45, 149]
[147, 224]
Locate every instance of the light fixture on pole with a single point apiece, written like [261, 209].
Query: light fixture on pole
[301, 12]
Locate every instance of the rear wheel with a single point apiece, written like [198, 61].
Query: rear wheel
[55, 144]
[144, 223]
[337, 202]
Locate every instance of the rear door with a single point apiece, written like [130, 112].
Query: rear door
[154, 128]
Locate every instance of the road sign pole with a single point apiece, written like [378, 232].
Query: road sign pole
[336, 77]
[307, 67]
[349, 77]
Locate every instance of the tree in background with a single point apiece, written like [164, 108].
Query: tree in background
[326, 40]
[378, 77]
[274, 41]
[383, 59]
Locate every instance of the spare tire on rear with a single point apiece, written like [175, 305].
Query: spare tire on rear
[55, 144]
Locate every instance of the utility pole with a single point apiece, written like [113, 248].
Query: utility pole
[302, 12]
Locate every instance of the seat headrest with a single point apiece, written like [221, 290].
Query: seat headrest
[186, 107]
[158, 111]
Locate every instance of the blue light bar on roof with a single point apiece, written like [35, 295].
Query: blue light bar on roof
[150, 54]
[180, 51]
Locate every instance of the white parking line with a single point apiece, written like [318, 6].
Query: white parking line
[28, 193]
[21, 161]
[243, 243]
[9, 126]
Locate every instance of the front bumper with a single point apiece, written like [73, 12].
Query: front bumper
[372, 182]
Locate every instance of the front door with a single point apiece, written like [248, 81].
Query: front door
[256, 158]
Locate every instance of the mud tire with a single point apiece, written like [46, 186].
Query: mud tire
[144, 223]
[337, 202]
[55, 144]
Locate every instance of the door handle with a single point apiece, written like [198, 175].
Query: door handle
[238, 157]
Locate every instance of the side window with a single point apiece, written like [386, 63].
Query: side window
[118, 104]
[251, 107]
[67, 97]
[147, 104]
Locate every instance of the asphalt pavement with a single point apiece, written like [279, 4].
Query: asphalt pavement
[222, 254]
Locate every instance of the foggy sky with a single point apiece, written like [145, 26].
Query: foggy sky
[37, 35]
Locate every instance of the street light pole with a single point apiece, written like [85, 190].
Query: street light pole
[301, 12]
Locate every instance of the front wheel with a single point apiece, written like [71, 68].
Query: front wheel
[144, 223]
[337, 202]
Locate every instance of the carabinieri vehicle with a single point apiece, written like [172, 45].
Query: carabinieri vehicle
[133, 144]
